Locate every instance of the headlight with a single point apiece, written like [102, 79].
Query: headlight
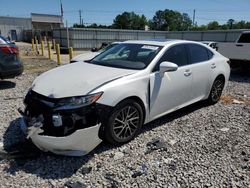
[77, 102]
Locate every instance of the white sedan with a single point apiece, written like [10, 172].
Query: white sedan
[71, 109]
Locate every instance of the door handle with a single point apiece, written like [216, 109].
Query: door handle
[213, 66]
[239, 45]
[187, 72]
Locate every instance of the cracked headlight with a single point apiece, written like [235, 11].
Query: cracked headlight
[77, 102]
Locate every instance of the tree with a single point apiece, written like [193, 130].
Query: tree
[78, 25]
[170, 20]
[158, 22]
[230, 23]
[213, 25]
[129, 20]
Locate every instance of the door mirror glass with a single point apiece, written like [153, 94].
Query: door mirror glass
[167, 67]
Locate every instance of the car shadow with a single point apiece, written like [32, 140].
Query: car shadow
[50, 166]
[240, 75]
[174, 115]
[6, 84]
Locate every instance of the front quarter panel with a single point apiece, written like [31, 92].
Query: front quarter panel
[135, 85]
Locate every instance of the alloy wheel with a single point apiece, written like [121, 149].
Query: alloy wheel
[126, 122]
[217, 89]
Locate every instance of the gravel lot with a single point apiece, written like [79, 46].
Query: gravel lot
[204, 146]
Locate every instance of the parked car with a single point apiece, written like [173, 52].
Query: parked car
[238, 50]
[10, 64]
[212, 44]
[71, 109]
[94, 52]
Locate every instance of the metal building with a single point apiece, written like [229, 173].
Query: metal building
[13, 27]
[81, 38]
[46, 22]
[24, 28]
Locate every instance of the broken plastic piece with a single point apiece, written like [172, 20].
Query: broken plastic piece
[77, 184]
[156, 144]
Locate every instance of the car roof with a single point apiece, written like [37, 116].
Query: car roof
[159, 42]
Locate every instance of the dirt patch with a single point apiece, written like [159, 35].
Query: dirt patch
[33, 62]
[227, 99]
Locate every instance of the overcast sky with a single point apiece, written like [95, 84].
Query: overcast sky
[104, 11]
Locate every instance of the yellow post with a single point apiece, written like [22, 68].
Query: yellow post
[54, 44]
[42, 47]
[58, 54]
[49, 51]
[33, 46]
[37, 46]
[70, 53]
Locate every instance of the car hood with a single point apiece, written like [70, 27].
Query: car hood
[85, 56]
[75, 79]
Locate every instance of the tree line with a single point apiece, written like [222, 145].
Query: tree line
[165, 20]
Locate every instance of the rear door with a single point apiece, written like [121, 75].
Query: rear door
[169, 92]
[201, 66]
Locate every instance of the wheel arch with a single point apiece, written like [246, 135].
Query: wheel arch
[140, 102]
[221, 76]
[134, 98]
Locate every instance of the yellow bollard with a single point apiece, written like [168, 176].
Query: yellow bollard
[70, 53]
[37, 51]
[58, 54]
[54, 44]
[42, 47]
[33, 46]
[49, 51]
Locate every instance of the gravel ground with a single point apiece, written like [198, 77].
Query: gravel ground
[202, 146]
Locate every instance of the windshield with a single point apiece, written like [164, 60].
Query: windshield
[108, 47]
[127, 56]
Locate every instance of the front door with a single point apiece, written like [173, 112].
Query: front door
[173, 90]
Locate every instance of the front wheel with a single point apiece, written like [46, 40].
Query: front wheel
[216, 91]
[124, 122]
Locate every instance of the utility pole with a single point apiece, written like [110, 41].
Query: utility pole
[80, 16]
[194, 18]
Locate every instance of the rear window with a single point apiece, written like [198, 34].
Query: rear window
[244, 38]
[198, 53]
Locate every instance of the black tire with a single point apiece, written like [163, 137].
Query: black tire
[119, 129]
[216, 91]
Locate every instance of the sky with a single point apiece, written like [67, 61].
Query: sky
[104, 11]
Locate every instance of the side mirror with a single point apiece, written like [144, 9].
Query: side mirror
[167, 67]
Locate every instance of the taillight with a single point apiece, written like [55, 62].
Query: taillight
[9, 49]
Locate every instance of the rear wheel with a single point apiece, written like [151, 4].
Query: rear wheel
[216, 90]
[124, 122]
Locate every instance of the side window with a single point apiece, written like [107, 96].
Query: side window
[244, 38]
[198, 53]
[176, 54]
[210, 54]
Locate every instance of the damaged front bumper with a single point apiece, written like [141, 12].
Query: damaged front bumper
[79, 143]
[64, 132]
